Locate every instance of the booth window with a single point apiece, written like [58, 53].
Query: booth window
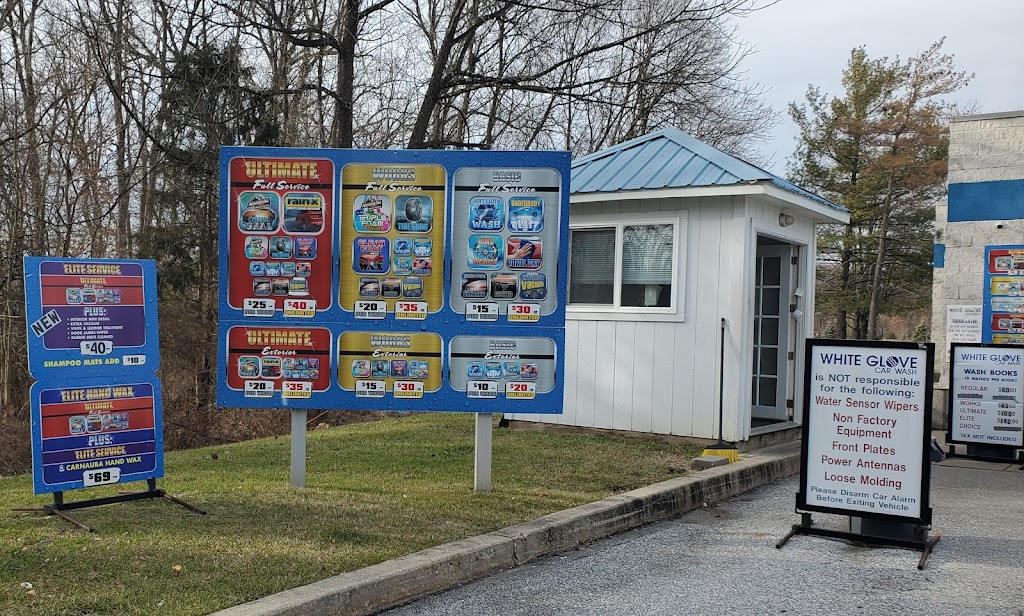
[624, 266]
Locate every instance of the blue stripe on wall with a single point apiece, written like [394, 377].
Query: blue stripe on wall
[938, 255]
[1002, 200]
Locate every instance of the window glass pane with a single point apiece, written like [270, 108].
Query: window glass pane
[770, 302]
[769, 330]
[592, 266]
[772, 270]
[766, 391]
[769, 361]
[647, 265]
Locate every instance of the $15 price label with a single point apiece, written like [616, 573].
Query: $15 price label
[481, 312]
[371, 389]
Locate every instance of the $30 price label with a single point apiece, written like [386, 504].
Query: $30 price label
[524, 313]
[408, 389]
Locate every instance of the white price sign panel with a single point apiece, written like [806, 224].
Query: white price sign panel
[259, 389]
[371, 309]
[482, 389]
[865, 429]
[481, 312]
[133, 360]
[371, 389]
[97, 347]
[300, 308]
[101, 477]
[986, 388]
[259, 307]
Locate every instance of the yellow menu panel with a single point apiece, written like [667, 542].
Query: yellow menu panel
[392, 235]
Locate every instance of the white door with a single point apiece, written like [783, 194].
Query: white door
[771, 366]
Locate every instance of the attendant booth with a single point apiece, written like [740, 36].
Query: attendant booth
[672, 240]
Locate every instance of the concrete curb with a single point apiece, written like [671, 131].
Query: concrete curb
[394, 582]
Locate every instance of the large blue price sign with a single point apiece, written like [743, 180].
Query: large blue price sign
[393, 280]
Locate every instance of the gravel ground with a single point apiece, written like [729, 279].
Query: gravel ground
[723, 560]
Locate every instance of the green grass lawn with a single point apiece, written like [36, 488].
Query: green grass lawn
[374, 491]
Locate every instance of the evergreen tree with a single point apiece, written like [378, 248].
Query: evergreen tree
[879, 149]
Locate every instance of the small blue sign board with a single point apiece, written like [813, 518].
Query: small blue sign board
[393, 279]
[96, 433]
[91, 318]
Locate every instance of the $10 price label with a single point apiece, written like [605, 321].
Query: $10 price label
[482, 389]
[408, 389]
[524, 313]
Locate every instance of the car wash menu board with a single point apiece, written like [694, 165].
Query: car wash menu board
[395, 365]
[91, 317]
[392, 236]
[98, 434]
[505, 244]
[986, 392]
[279, 236]
[866, 438]
[1003, 309]
[279, 364]
[443, 271]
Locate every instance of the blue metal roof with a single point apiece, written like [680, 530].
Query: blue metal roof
[669, 158]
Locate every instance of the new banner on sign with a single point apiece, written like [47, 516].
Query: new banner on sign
[866, 440]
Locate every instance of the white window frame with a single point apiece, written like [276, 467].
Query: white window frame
[616, 311]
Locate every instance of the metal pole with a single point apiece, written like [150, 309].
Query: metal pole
[299, 448]
[482, 459]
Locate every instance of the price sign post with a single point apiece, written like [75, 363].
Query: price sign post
[986, 401]
[96, 406]
[866, 442]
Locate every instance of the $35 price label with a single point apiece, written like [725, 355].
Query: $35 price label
[296, 389]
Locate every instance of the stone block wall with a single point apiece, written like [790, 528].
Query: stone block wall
[982, 148]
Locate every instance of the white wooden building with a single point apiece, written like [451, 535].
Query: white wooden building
[668, 236]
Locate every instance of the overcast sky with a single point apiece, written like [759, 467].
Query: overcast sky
[803, 42]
